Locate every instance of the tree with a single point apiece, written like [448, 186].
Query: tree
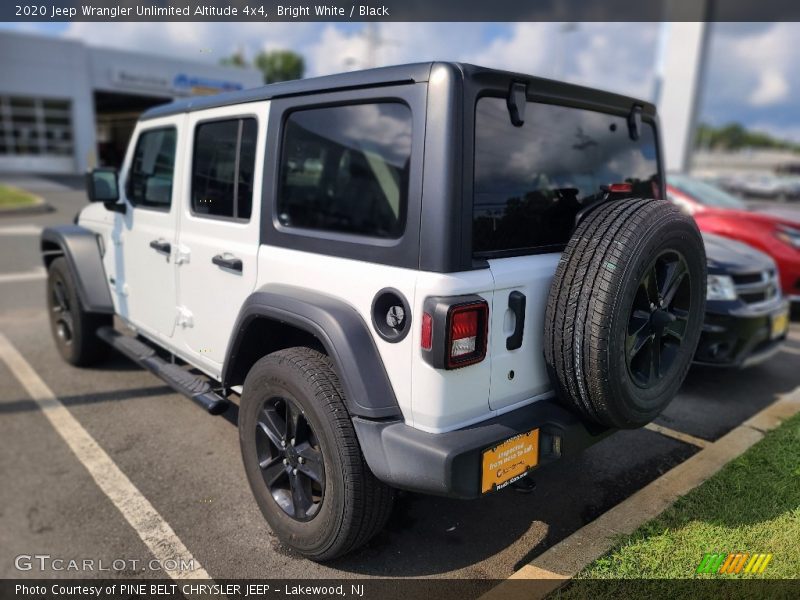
[280, 65]
[235, 60]
[735, 136]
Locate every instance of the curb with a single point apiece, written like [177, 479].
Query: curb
[39, 208]
[556, 566]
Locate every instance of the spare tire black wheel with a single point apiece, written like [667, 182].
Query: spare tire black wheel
[625, 310]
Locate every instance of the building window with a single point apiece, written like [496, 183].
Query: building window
[35, 127]
[223, 168]
[345, 169]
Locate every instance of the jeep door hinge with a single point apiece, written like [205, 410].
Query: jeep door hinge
[185, 317]
[182, 254]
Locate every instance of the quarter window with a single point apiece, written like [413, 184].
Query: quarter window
[346, 168]
[152, 169]
[223, 168]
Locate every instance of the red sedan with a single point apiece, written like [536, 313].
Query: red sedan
[775, 231]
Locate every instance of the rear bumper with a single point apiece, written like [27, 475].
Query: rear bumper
[739, 338]
[449, 464]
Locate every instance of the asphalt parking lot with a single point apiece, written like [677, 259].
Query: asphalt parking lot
[187, 464]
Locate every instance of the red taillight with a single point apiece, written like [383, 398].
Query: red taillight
[620, 188]
[466, 334]
[463, 332]
[427, 331]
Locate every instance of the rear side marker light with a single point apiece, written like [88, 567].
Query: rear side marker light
[427, 331]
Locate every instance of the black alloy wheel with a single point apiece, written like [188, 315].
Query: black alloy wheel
[302, 457]
[658, 320]
[290, 458]
[63, 319]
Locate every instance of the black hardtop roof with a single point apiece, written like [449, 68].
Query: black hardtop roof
[341, 81]
[394, 75]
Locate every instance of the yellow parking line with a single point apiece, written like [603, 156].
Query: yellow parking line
[678, 435]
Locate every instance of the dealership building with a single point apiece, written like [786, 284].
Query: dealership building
[66, 106]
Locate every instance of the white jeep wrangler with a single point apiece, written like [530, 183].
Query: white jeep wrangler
[432, 277]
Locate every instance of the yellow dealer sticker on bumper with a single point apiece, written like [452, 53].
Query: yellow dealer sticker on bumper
[510, 460]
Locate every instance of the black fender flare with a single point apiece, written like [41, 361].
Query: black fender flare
[80, 248]
[340, 330]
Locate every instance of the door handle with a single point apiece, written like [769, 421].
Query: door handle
[161, 246]
[516, 302]
[228, 262]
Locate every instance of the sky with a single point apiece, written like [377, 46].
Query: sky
[752, 75]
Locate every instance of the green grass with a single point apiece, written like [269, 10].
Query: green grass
[11, 197]
[751, 505]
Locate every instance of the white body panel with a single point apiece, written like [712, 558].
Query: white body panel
[356, 283]
[144, 289]
[209, 297]
[152, 292]
[530, 275]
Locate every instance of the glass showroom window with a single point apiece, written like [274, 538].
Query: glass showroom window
[35, 126]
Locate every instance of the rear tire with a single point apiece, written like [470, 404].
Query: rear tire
[74, 329]
[320, 517]
[625, 311]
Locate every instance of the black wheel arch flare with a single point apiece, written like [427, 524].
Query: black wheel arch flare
[317, 317]
[79, 247]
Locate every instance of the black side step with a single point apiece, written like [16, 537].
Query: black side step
[178, 379]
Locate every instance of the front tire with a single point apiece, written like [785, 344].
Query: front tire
[74, 329]
[302, 457]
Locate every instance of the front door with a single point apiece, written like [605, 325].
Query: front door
[219, 235]
[143, 238]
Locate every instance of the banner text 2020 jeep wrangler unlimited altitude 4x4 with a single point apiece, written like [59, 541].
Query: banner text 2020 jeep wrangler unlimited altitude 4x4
[431, 277]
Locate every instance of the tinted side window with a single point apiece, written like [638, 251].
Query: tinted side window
[346, 169]
[150, 177]
[531, 181]
[223, 167]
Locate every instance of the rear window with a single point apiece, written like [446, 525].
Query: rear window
[223, 168]
[345, 169]
[531, 181]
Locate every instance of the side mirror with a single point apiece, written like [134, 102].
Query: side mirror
[102, 185]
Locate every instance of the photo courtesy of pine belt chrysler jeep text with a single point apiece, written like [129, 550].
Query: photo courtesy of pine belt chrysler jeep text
[433, 277]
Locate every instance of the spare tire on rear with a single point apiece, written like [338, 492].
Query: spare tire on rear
[625, 310]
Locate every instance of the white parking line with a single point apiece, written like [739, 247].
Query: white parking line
[32, 275]
[20, 230]
[678, 435]
[791, 350]
[151, 527]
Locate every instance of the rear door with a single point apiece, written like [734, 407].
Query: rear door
[530, 183]
[219, 232]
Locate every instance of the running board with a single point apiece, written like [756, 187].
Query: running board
[178, 379]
